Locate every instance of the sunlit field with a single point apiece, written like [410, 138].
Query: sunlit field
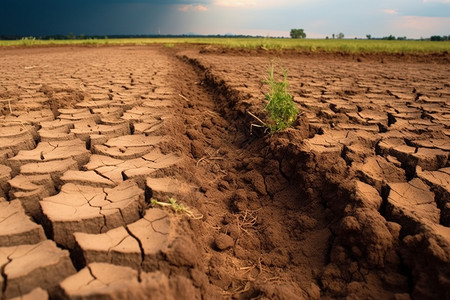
[320, 45]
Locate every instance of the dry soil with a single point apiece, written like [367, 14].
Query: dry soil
[352, 202]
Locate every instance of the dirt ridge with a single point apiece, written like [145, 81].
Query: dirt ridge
[335, 187]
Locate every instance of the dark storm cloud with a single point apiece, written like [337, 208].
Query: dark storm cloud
[47, 17]
[356, 18]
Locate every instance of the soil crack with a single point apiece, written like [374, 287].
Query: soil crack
[141, 248]
[94, 278]
[153, 227]
[5, 277]
[10, 216]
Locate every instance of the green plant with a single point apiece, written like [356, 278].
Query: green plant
[28, 41]
[298, 34]
[176, 207]
[281, 107]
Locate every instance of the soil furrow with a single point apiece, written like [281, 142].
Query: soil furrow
[325, 180]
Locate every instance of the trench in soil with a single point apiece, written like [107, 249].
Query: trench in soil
[308, 219]
[281, 234]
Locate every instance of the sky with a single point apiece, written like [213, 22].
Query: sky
[318, 18]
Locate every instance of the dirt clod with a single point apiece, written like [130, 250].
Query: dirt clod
[223, 241]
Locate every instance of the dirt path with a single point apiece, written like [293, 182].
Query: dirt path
[352, 202]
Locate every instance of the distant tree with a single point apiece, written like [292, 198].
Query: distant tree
[437, 38]
[340, 36]
[71, 36]
[298, 34]
[369, 37]
[390, 37]
[333, 36]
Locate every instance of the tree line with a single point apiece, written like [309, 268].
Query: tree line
[299, 33]
[434, 38]
[439, 38]
[295, 33]
[71, 36]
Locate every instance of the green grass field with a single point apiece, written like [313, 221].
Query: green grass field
[331, 45]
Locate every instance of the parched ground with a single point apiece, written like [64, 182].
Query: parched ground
[353, 202]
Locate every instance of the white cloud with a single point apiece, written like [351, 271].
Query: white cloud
[415, 26]
[257, 3]
[243, 31]
[192, 7]
[200, 8]
[391, 11]
[235, 3]
[442, 1]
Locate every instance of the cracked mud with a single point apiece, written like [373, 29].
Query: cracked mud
[352, 202]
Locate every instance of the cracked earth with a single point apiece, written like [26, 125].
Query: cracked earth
[352, 202]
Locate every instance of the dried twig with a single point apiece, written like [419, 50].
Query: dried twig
[275, 278]
[177, 207]
[10, 108]
[210, 157]
[257, 119]
[247, 220]
[261, 125]
[184, 98]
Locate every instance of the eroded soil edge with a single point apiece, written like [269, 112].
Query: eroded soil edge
[377, 180]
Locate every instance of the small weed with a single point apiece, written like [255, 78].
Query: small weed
[282, 109]
[169, 45]
[28, 41]
[176, 207]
